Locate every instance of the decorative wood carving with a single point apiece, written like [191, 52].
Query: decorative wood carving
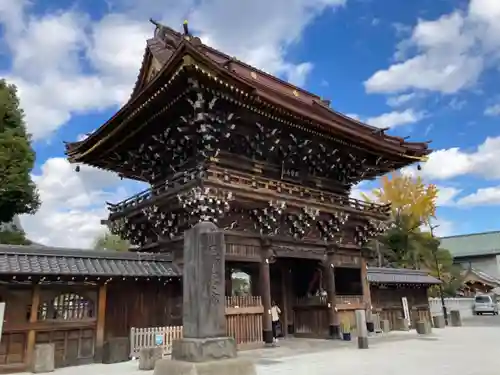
[300, 224]
[268, 220]
[371, 229]
[169, 219]
[331, 227]
[204, 204]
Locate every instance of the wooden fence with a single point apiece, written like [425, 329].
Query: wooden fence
[152, 337]
[243, 322]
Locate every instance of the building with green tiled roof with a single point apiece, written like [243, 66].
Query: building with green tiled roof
[480, 251]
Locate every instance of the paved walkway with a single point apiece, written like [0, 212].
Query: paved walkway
[452, 351]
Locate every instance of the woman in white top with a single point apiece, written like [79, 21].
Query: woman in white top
[275, 318]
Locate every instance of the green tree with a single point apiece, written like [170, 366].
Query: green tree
[108, 241]
[18, 193]
[405, 246]
[13, 237]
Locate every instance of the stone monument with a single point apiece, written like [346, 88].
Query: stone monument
[204, 348]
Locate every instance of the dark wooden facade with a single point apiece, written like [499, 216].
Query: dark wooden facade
[79, 299]
[271, 164]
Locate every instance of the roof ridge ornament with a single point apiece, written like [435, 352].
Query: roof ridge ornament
[185, 26]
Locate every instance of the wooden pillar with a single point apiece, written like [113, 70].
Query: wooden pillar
[333, 316]
[30, 346]
[365, 284]
[265, 292]
[101, 319]
[228, 280]
[284, 298]
[290, 292]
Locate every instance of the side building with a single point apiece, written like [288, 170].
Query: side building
[479, 255]
[270, 163]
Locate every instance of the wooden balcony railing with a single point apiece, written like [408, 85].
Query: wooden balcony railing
[256, 184]
[349, 300]
[323, 300]
[243, 301]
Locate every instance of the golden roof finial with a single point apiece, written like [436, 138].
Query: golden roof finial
[186, 28]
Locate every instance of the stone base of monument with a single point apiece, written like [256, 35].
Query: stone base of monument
[209, 356]
[240, 366]
[202, 350]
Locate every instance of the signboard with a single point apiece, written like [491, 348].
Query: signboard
[2, 313]
[406, 310]
[159, 339]
[343, 260]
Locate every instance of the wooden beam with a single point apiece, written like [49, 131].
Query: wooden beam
[331, 290]
[30, 345]
[101, 319]
[265, 292]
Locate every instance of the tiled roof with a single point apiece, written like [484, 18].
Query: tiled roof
[487, 278]
[475, 244]
[378, 275]
[44, 261]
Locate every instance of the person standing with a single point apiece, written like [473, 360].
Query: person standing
[275, 318]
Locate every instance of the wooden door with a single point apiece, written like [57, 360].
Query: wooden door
[12, 348]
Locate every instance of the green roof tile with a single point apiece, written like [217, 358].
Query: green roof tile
[487, 243]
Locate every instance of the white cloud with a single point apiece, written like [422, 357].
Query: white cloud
[453, 162]
[457, 104]
[442, 227]
[447, 195]
[72, 204]
[66, 63]
[482, 197]
[395, 119]
[492, 110]
[397, 101]
[450, 53]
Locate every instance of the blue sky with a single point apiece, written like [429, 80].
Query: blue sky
[428, 70]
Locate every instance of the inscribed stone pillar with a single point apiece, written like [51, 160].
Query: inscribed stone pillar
[333, 318]
[204, 349]
[203, 282]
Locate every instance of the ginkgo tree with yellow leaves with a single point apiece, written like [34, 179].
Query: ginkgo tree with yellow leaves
[408, 196]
